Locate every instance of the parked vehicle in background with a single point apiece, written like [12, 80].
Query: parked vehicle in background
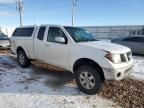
[4, 41]
[75, 50]
[135, 43]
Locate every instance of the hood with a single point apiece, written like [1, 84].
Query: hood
[4, 38]
[107, 46]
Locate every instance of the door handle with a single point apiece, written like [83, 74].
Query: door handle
[46, 45]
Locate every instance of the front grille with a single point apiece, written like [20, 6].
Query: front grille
[4, 42]
[123, 58]
[126, 57]
[129, 56]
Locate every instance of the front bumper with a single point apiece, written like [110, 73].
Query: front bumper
[117, 74]
[4, 45]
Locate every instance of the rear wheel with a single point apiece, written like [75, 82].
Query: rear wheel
[88, 79]
[22, 59]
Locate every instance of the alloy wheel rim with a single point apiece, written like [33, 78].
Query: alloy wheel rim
[21, 58]
[87, 80]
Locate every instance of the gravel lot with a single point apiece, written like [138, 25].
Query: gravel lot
[127, 93]
[53, 87]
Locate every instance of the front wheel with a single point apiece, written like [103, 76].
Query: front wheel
[22, 59]
[88, 79]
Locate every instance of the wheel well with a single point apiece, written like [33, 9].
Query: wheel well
[85, 61]
[19, 48]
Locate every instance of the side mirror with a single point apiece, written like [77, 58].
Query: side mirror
[59, 39]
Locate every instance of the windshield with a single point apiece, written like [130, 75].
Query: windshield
[79, 34]
[2, 35]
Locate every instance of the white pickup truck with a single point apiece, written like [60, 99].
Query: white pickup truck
[73, 49]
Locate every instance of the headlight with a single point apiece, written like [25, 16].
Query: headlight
[115, 58]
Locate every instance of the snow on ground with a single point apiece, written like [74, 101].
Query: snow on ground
[138, 69]
[36, 87]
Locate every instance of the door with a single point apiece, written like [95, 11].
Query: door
[135, 43]
[129, 43]
[55, 52]
[140, 45]
[39, 42]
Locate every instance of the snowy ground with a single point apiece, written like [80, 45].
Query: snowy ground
[138, 69]
[37, 87]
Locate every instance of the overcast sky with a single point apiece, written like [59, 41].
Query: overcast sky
[88, 12]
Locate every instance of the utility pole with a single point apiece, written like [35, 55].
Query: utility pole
[34, 16]
[19, 7]
[73, 11]
[6, 31]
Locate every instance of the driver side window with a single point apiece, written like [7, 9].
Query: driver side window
[53, 33]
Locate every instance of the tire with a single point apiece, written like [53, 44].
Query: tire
[22, 59]
[88, 79]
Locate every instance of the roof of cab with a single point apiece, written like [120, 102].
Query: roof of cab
[44, 25]
[27, 26]
[53, 25]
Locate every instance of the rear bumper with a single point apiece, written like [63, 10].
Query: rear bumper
[117, 74]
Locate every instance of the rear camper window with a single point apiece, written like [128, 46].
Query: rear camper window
[23, 32]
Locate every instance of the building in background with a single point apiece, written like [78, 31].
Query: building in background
[111, 32]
